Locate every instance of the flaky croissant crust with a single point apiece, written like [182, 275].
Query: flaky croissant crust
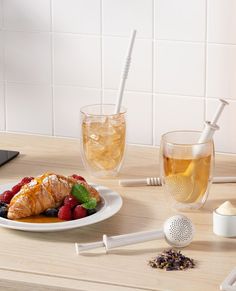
[46, 191]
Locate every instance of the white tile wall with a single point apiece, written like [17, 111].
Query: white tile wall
[67, 103]
[1, 15]
[179, 68]
[58, 55]
[77, 16]
[222, 21]
[120, 16]
[221, 71]
[170, 110]
[2, 107]
[27, 57]
[28, 108]
[1, 57]
[180, 20]
[27, 15]
[77, 60]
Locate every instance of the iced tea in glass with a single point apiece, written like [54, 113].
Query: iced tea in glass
[103, 135]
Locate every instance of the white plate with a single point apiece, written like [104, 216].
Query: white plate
[110, 204]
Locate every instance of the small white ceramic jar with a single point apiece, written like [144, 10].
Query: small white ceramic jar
[224, 225]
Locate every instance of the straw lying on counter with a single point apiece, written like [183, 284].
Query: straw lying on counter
[156, 181]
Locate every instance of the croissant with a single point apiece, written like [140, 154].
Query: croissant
[46, 191]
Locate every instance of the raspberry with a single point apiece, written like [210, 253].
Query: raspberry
[71, 201]
[64, 213]
[79, 212]
[80, 178]
[26, 180]
[16, 188]
[7, 196]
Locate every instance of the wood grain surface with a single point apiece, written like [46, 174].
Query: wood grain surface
[47, 261]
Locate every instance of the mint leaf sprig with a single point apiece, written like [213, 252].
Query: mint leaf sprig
[82, 194]
[91, 204]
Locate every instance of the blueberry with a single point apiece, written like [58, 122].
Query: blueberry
[3, 211]
[51, 212]
[3, 204]
[91, 211]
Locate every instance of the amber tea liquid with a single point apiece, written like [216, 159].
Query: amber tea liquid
[187, 179]
[104, 142]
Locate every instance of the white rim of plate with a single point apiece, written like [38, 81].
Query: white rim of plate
[110, 205]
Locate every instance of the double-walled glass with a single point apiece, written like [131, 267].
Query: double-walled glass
[103, 137]
[186, 168]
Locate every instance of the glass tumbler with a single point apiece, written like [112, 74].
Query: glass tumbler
[186, 168]
[103, 136]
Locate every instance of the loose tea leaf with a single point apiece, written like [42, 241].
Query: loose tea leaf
[172, 260]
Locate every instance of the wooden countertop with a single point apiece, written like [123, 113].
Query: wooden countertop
[47, 261]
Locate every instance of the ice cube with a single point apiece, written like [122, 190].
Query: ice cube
[94, 137]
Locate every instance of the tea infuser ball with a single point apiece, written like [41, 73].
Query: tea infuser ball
[178, 231]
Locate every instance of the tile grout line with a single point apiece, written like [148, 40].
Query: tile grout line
[102, 52]
[4, 70]
[117, 36]
[1, 13]
[177, 95]
[153, 74]
[52, 68]
[5, 104]
[206, 59]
